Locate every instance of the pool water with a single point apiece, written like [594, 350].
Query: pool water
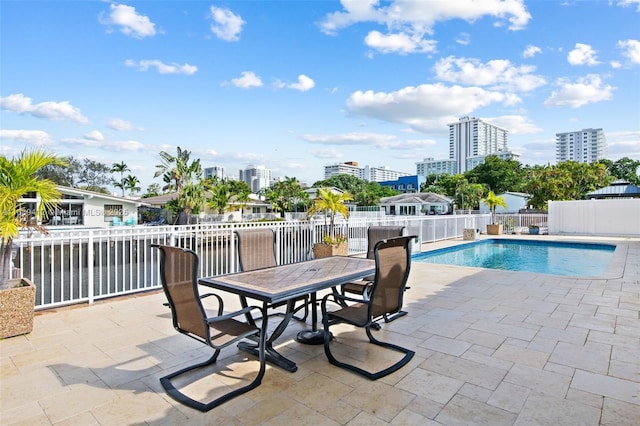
[544, 257]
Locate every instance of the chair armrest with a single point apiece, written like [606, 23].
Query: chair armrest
[232, 315]
[340, 299]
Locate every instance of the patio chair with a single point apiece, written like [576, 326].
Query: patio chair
[257, 250]
[362, 287]
[178, 274]
[393, 262]
[374, 234]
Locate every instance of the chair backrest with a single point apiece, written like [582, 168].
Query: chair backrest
[393, 262]
[256, 248]
[179, 277]
[378, 233]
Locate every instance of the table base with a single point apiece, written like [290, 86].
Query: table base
[271, 355]
[312, 337]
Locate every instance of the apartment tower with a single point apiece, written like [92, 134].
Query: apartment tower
[583, 146]
[471, 139]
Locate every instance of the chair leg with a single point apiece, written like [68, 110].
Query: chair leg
[394, 316]
[369, 375]
[207, 406]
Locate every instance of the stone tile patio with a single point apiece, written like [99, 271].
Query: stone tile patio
[492, 347]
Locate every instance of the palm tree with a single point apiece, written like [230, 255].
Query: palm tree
[331, 203]
[220, 197]
[191, 201]
[120, 167]
[131, 184]
[17, 178]
[178, 170]
[493, 201]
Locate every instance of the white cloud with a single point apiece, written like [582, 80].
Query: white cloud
[226, 25]
[625, 3]
[585, 90]
[57, 111]
[630, 49]
[31, 137]
[401, 43]
[530, 51]
[304, 83]
[94, 135]
[582, 54]
[378, 140]
[463, 39]
[326, 153]
[129, 21]
[161, 67]
[420, 17]
[623, 144]
[497, 73]
[428, 107]
[247, 80]
[119, 124]
[516, 124]
[109, 146]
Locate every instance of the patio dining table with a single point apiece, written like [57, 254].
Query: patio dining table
[286, 283]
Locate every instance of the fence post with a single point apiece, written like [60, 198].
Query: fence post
[90, 262]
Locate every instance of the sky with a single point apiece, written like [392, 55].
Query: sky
[297, 85]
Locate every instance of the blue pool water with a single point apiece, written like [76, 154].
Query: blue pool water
[544, 257]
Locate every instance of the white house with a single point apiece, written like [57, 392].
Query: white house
[413, 204]
[78, 207]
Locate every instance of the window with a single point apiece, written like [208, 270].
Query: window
[111, 211]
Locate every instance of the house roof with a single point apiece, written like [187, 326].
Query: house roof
[619, 188]
[416, 198]
[91, 194]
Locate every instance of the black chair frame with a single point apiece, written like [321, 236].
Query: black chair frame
[250, 332]
[352, 312]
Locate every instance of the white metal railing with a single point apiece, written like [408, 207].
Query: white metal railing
[82, 265]
[513, 222]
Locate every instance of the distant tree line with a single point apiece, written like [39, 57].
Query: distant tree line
[568, 180]
[182, 175]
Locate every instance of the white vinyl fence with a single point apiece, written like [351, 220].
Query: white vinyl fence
[82, 265]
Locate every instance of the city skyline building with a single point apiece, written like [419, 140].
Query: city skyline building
[256, 176]
[368, 173]
[471, 137]
[583, 146]
[214, 171]
[471, 140]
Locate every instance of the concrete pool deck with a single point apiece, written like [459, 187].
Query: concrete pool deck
[492, 347]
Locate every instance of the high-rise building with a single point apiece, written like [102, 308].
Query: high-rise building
[215, 171]
[429, 166]
[471, 137]
[347, 168]
[368, 173]
[257, 177]
[380, 174]
[583, 146]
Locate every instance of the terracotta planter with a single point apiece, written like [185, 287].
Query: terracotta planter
[321, 250]
[17, 305]
[494, 229]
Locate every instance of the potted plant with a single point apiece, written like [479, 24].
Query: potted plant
[493, 201]
[534, 229]
[17, 178]
[331, 203]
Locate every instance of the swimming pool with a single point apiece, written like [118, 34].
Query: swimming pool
[544, 257]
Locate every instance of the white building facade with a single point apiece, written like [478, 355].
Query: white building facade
[368, 173]
[429, 166]
[257, 177]
[583, 146]
[472, 137]
[215, 171]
